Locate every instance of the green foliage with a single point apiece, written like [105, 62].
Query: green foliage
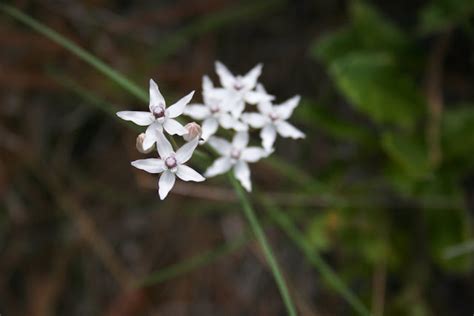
[440, 15]
[365, 61]
[376, 66]
[457, 124]
[374, 84]
[408, 155]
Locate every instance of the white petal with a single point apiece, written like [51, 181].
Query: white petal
[265, 108]
[220, 145]
[174, 127]
[260, 88]
[227, 121]
[242, 173]
[209, 127]
[186, 151]
[254, 97]
[250, 79]
[253, 154]
[166, 183]
[256, 120]
[206, 84]
[151, 165]
[226, 77]
[151, 135]
[137, 117]
[155, 95]
[177, 109]
[268, 135]
[215, 95]
[186, 173]
[285, 129]
[237, 107]
[219, 166]
[240, 141]
[163, 146]
[285, 109]
[197, 111]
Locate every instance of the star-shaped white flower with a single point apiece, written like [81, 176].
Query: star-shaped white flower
[240, 89]
[236, 155]
[214, 111]
[272, 120]
[170, 165]
[159, 117]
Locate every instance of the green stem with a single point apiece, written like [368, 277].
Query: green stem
[78, 51]
[267, 251]
[286, 224]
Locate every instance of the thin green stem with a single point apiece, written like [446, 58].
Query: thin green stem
[78, 51]
[286, 224]
[267, 251]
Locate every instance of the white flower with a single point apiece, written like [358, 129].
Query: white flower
[236, 155]
[214, 111]
[272, 120]
[194, 131]
[170, 165]
[159, 117]
[240, 89]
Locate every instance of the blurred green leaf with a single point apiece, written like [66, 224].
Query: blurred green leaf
[443, 14]
[447, 227]
[368, 63]
[374, 31]
[409, 155]
[457, 131]
[376, 87]
[315, 114]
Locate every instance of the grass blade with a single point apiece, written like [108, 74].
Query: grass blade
[108, 71]
[285, 223]
[267, 251]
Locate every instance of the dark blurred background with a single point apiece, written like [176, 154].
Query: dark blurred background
[382, 188]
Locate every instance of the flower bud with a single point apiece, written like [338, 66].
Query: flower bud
[139, 144]
[194, 130]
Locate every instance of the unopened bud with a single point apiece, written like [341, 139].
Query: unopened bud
[194, 130]
[139, 144]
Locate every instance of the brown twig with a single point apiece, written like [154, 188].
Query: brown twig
[434, 93]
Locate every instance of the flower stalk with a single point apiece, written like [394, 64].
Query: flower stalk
[267, 250]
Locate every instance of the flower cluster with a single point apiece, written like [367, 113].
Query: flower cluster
[158, 120]
[227, 107]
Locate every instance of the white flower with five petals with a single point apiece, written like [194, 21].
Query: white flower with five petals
[236, 155]
[241, 89]
[170, 165]
[159, 117]
[214, 111]
[272, 120]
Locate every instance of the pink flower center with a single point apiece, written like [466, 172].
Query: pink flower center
[215, 108]
[273, 117]
[171, 162]
[238, 85]
[158, 112]
[235, 153]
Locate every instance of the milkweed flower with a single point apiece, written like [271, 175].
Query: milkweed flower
[214, 111]
[194, 131]
[241, 89]
[170, 164]
[235, 155]
[272, 120]
[159, 117]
